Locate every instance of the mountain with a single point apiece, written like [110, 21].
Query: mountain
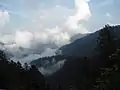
[69, 73]
[80, 71]
[77, 36]
[86, 45]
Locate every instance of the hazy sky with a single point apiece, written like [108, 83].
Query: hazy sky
[54, 21]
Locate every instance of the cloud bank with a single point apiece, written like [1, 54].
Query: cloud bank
[53, 68]
[51, 27]
[55, 25]
[82, 13]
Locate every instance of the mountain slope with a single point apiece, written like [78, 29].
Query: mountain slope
[77, 36]
[80, 72]
[85, 46]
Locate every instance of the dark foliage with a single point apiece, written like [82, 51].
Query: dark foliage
[14, 77]
[99, 71]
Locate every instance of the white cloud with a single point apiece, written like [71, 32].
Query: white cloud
[58, 24]
[48, 52]
[27, 59]
[7, 38]
[82, 13]
[23, 38]
[27, 39]
[50, 25]
[109, 18]
[53, 68]
[4, 18]
[49, 17]
[108, 15]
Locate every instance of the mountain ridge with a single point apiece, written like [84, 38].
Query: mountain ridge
[85, 46]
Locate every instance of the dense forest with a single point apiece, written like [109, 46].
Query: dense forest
[14, 76]
[98, 72]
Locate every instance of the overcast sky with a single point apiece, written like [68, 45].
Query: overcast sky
[54, 21]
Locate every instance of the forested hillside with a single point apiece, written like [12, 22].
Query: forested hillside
[86, 45]
[14, 76]
[98, 72]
